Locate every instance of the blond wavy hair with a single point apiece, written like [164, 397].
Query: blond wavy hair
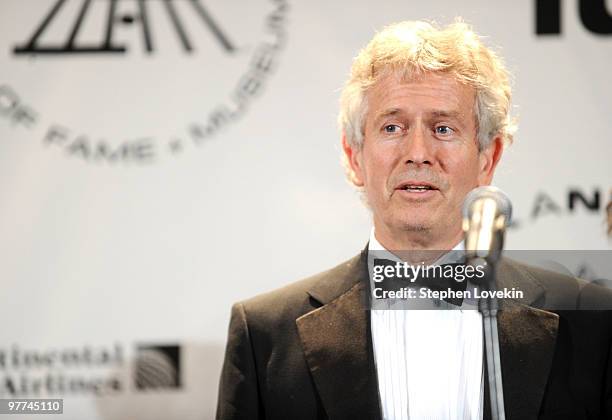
[414, 47]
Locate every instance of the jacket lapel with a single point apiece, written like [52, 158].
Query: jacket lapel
[527, 343]
[337, 344]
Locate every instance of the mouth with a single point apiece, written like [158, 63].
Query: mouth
[416, 187]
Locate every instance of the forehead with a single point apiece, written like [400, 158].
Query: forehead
[429, 93]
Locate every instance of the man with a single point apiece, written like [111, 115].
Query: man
[424, 118]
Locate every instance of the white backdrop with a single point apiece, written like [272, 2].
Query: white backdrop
[142, 192]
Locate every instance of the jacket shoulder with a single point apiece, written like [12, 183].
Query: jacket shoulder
[562, 291]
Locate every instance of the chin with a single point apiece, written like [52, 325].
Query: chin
[414, 226]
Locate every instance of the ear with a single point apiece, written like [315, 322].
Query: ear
[353, 161]
[488, 160]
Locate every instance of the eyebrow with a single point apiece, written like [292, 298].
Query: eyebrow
[434, 114]
[387, 113]
[446, 114]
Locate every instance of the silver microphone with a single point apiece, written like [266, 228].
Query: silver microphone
[486, 214]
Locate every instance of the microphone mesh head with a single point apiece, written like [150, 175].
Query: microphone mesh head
[503, 202]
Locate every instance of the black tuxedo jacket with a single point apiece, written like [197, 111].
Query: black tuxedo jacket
[305, 351]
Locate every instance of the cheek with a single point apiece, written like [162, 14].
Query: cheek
[462, 172]
[378, 169]
[379, 163]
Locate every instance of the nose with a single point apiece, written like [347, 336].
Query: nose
[417, 148]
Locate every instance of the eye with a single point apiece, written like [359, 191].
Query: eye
[392, 128]
[444, 130]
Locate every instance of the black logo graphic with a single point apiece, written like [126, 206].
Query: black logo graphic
[544, 204]
[157, 367]
[246, 47]
[594, 15]
[107, 44]
[574, 202]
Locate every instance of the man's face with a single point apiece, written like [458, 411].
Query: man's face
[420, 154]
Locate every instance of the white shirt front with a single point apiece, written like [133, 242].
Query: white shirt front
[429, 362]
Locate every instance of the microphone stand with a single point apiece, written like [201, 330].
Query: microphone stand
[486, 212]
[489, 307]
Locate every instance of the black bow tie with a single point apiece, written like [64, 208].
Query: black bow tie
[431, 279]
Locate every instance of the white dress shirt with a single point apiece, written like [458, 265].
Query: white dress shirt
[429, 362]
